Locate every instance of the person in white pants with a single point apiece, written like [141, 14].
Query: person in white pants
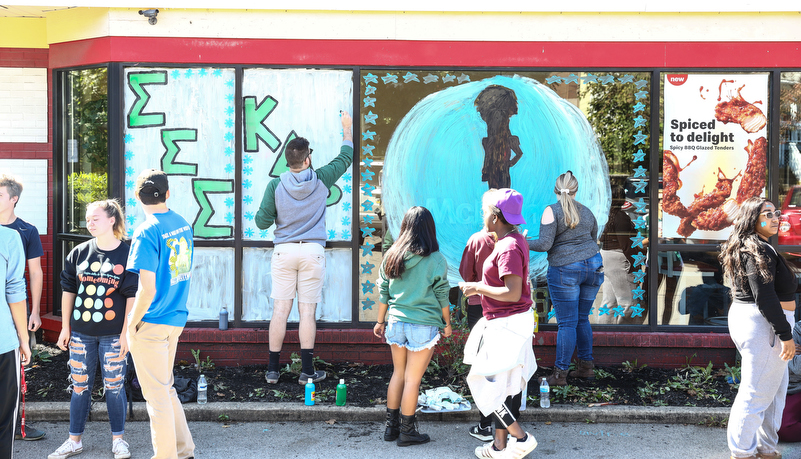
[763, 288]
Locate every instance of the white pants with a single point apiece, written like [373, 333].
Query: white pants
[756, 414]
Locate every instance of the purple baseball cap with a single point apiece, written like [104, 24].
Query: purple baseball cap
[511, 204]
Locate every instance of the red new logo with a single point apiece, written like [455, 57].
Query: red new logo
[677, 80]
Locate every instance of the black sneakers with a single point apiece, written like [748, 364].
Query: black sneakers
[481, 433]
[31, 434]
[272, 377]
[318, 375]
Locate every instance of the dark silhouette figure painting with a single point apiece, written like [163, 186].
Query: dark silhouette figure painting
[496, 105]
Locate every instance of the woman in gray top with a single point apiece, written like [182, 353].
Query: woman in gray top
[569, 233]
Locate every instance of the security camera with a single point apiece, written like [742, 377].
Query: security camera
[150, 15]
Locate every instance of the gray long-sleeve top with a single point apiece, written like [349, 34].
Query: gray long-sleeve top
[567, 245]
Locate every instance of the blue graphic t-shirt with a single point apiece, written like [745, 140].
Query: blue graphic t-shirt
[163, 245]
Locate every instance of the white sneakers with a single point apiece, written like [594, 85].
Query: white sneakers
[519, 449]
[515, 449]
[67, 449]
[120, 449]
[487, 451]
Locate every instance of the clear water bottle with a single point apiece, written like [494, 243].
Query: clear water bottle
[202, 388]
[310, 392]
[545, 394]
[342, 392]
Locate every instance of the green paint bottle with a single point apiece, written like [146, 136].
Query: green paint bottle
[342, 392]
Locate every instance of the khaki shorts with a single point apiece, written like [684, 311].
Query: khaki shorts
[298, 267]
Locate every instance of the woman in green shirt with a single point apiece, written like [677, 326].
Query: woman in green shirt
[413, 306]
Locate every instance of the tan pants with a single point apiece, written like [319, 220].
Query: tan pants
[153, 349]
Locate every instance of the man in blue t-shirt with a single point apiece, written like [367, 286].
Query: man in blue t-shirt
[13, 335]
[161, 254]
[10, 191]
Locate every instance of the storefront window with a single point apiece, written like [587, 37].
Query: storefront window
[424, 142]
[715, 130]
[84, 127]
[790, 159]
[189, 123]
[691, 290]
[794, 260]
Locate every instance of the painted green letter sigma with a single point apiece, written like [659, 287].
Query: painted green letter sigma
[255, 114]
[280, 166]
[137, 118]
[201, 228]
[168, 139]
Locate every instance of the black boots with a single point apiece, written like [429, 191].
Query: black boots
[408, 432]
[403, 429]
[393, 425]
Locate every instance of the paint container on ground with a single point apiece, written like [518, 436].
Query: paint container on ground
[342, 392]
[310, 392]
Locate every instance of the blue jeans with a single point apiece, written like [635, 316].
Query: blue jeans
[573, 289]
[85, 352]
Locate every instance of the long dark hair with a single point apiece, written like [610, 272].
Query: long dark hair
[744, 241]
[418, 235]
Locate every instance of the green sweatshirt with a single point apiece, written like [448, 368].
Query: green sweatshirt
[419, 295]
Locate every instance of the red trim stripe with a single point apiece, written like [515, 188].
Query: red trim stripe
[427, 53]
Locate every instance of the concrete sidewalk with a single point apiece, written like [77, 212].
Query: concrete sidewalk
[297, 411]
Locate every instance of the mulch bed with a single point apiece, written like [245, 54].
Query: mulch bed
[367, 384]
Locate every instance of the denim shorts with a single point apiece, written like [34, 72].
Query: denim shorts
[413, 337]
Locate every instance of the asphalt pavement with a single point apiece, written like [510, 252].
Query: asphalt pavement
[292, 430]
[334, 439]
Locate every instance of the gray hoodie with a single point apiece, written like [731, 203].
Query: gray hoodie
[300, 202]
[295, 201]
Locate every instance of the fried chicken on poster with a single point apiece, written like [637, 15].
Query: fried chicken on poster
[672, 184]
[738, 110]
[707, 204]
[754, 179]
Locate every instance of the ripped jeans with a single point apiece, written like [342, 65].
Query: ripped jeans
[85, 352]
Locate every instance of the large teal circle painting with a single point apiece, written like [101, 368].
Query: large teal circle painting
[436, 159]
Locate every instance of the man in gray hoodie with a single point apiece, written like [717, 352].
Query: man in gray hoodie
[295, 202]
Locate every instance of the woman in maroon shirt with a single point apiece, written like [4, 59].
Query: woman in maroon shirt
[500, 345]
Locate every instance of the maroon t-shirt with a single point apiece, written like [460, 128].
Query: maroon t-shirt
[509, 257]
[479, 247]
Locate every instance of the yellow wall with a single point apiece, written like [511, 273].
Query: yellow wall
[23, 33]
[77, 24]
[83, 23]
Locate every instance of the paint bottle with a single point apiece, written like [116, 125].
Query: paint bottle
[224, 318]
[310, 392]
[545, 394]
[202, 387]
[342, 392]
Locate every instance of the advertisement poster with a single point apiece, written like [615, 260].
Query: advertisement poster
[715, 157]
